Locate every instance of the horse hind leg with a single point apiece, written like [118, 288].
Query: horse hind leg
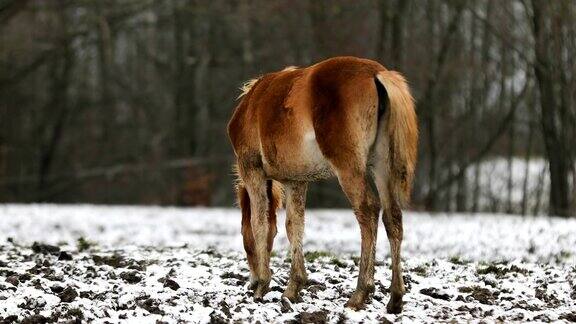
[392, 219]
[366, 207]
[295, 204]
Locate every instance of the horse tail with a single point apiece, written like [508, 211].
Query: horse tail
[397, 134]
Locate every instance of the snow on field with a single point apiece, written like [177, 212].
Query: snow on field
[143, 264]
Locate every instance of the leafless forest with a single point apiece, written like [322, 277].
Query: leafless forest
[126, 102]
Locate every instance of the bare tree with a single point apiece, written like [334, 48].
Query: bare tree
[554, 111]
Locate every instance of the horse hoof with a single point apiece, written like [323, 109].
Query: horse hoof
[353, 305]
[286, 305]
[293, 298]
[252, 285]
[394, 306]
[357, 301]
[261, 290]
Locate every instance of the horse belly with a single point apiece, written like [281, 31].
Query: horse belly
[298, 159]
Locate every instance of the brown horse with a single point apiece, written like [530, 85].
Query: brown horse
[344, 117]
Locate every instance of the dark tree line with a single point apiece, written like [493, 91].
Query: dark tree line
[127, 101]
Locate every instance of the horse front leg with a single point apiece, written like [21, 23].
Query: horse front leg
[258, 246]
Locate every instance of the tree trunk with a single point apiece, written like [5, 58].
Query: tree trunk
[551, 121]
[398, 33]
[384, 17]
[527, 157]
[57, 108]
[429, 107]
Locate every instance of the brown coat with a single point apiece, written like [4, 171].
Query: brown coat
[345, 117]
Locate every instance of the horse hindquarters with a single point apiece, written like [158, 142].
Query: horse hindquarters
[346, 125]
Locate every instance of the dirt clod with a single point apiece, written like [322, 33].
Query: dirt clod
[75, 313]
[68, 295]
[481, 294]
[316, 288]
[44, 248]
[33, 303]
[501, 271]
[64, 256]
[570, 317]
[217, 319]
[550, 299]
[151, 305]
[435, 293]
[8, 319]
[225, 309]
[35, 319]
[312, 317]
[171, 284]
[114, 260]
[131, 277]
[13, 280]
[232, 275]
[57, 289]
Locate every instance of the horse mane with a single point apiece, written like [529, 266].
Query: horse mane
[248, 85]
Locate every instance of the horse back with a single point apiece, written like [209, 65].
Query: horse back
[291, 123]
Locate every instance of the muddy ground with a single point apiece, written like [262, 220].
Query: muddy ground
[92, 280]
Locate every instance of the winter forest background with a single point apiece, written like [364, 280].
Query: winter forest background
[126, 102]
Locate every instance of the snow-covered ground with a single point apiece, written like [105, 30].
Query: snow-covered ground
[143, 264]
